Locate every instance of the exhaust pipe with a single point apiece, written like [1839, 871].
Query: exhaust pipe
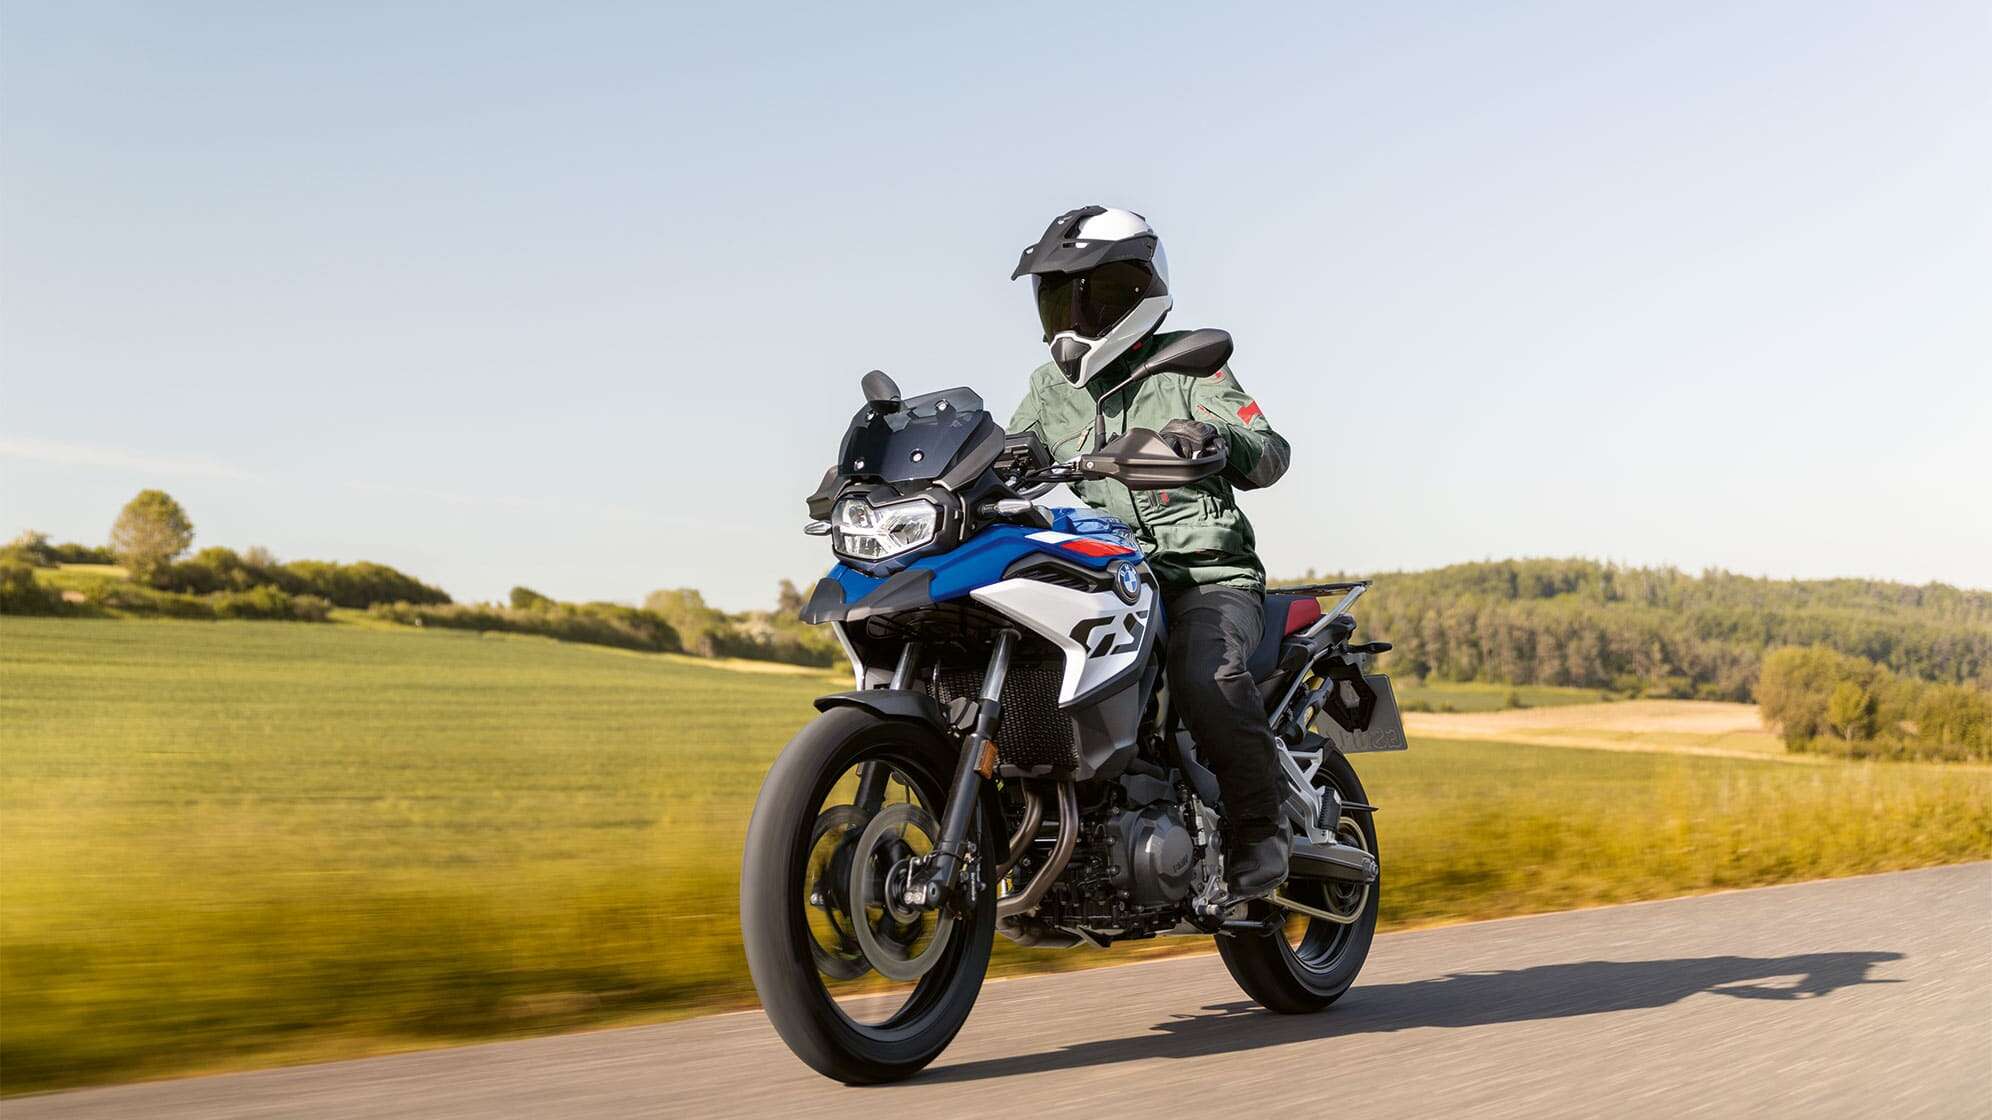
[1027, 830]
[1026, 900]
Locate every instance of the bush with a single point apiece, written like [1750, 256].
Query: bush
[73, 553]
[602, 624]
[525, 599]
[208, 571]
[358, 586]
[797, 646]
[266, 603]
[1826, 702]
[757, 635]
[135, 598]
[30, 548]
[701, 628]
[270, 603]
[33, 548]
[22, 593]
[1795, 686]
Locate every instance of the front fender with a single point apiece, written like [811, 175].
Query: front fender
[891, 703]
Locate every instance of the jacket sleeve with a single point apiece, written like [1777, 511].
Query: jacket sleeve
[1259, 455]
[1026, 418]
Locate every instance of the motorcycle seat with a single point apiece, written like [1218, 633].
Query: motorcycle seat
[1286, 615]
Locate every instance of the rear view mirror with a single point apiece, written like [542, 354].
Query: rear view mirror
[880, 389]
[1139, 460]
[1199, 353]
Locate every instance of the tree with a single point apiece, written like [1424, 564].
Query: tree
[151, 532]
[526, 599]
[702, 629]
[1850, 711]
[788, 600]
[32, 548]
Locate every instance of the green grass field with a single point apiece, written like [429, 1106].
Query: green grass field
[229, 843]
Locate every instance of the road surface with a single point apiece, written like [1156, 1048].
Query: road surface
[1854, 997]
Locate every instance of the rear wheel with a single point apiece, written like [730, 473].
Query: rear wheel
[1308, 962]
[861, 987]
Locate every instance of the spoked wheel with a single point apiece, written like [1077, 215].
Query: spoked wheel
[862, 987]
[1312, 959]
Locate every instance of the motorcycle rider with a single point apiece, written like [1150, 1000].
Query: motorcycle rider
[1102, 287]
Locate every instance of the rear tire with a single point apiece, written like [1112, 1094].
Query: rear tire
[1300, 980]
[781, 952]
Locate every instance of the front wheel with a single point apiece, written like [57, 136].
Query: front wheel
[1308, 962]
[862, 988]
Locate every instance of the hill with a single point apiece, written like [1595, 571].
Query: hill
[1661, 631]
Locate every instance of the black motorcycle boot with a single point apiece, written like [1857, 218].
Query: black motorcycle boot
[1256, 869]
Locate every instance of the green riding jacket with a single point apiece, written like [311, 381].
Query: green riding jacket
[1195, 535]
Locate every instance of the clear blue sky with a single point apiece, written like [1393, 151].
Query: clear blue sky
[577, 296]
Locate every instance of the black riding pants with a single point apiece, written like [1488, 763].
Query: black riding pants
[1212, 633]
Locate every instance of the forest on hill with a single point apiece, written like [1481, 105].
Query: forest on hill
[1661, 631]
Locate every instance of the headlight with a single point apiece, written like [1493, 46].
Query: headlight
[862, 531]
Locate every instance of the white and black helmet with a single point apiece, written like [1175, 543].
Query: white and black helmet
[1102, 285]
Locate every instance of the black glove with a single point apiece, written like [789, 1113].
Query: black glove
[1193, 439]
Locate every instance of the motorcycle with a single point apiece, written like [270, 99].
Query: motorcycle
[1007, 761]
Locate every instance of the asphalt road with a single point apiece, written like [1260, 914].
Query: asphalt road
[1854, 997]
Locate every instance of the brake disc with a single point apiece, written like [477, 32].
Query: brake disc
[847, 960]
[868, 889]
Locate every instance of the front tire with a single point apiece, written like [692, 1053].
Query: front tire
[779, 885]
[1309, 962]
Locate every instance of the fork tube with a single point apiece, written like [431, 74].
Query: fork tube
[871, 776]
[969, 772]
[909, 660]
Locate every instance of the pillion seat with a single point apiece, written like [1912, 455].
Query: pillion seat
[1286, 615]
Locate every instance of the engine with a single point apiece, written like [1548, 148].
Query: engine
[1153, 853]
[1137, 864]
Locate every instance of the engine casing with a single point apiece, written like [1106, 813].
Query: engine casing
[1154, 854]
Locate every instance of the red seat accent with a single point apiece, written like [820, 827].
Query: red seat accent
[1301, 615]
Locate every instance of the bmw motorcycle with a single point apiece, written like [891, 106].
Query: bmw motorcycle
[1007, 761]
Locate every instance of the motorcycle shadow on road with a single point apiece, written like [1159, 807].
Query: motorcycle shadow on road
[1466, 999]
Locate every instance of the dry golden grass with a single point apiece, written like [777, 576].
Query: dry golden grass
[1703, 727]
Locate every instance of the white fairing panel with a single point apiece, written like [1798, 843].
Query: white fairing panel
[1100, 634]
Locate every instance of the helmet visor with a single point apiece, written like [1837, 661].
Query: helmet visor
[1091, 302]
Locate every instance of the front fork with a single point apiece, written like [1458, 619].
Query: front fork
[872, 776]
[934, 881]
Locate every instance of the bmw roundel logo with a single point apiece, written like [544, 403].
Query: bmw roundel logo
[1127, 582]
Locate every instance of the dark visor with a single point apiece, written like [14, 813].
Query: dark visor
[1091, 302]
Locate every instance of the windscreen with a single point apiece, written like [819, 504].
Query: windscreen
[914, 443]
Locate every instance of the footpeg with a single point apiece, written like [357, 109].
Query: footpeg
[1270, 924]
[1329, 818]
[1343, 863]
